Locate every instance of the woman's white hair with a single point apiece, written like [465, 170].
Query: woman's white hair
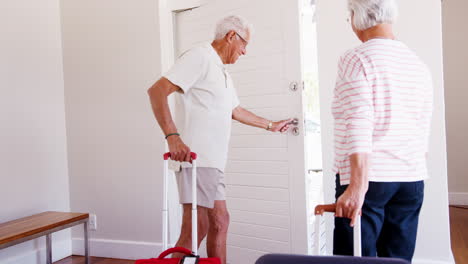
[369, 13]
[234, 22]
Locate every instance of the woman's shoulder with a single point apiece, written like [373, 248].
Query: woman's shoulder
[350, 55]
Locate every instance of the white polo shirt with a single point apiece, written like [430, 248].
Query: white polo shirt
[204, 109]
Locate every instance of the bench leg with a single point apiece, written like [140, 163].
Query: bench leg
[86, 241]
[49, 248]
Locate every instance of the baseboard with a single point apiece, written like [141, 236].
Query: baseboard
[121, 249]
[60, 250]
[124, 249]
[458, 198]
[112, 249]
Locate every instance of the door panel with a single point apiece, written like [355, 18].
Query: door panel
[265, 174]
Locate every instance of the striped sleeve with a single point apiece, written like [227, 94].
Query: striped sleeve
[355, 97]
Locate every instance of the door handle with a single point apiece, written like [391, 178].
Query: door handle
[295, 130]
[295, 122]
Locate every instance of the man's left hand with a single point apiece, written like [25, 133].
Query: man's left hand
[281, 126]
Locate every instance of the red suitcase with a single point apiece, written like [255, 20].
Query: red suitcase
[193, 256]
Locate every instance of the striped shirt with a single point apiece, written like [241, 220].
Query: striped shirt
[383, 106]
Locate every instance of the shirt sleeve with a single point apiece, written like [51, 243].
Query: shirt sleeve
[188, 69]
[355, 96]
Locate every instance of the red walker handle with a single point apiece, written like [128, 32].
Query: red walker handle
[167, 155]
[322, 208]
[175, 250]
[327, 208]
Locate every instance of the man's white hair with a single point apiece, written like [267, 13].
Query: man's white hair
[369, 13]
[234, 22]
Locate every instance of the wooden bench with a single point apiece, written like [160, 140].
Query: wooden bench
[43, 224]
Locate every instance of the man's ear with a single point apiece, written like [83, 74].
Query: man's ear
[230, 36]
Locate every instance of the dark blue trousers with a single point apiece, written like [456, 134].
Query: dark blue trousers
[389, 220]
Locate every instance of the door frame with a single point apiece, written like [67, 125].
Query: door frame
[167, 11]
[299, 204]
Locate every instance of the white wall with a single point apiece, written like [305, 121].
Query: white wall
[456, 92]
[33, 158]
[111, 58]
[423, 32]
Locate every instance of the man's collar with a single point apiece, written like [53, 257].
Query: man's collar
[216, 56]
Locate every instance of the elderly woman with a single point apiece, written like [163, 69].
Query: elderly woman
[382, 109]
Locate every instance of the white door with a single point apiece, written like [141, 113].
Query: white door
[266, 172]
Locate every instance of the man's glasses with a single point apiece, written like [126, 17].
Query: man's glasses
[243, 40]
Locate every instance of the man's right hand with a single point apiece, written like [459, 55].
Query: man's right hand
[179, 151]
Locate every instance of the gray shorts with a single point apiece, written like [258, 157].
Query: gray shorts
[210, 186]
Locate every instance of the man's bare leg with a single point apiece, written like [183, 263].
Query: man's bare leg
[185, 239]
[217, 231]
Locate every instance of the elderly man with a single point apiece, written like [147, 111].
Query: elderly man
[209, 103]
[382, 109]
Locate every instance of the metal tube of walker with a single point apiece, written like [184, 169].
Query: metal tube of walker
[357, 237]
[318, 219]
[194, 209]
[165, 215]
